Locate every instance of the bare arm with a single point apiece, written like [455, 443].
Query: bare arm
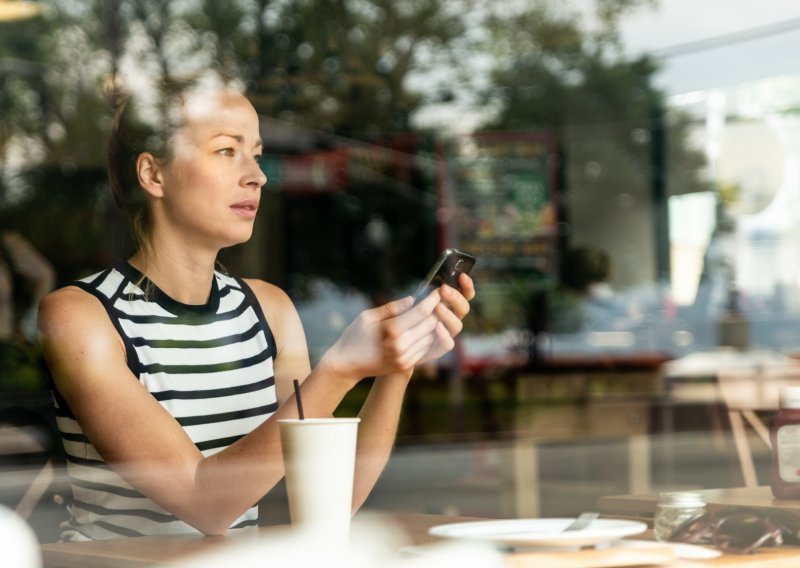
[148, 447]
[380, 414]
[380, 417]
[140, 439]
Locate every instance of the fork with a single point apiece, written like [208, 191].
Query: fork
[579, 523]
[583, 521]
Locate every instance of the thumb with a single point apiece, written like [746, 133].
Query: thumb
[394, 308]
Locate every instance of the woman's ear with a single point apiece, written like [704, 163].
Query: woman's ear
[150, 176]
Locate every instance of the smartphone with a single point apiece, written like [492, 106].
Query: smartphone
[446, 270]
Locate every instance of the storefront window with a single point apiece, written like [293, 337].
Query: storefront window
[626, 173]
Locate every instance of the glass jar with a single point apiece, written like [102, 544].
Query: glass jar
[674, 509]
[785, 437]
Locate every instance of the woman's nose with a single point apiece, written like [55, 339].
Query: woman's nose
[256, 175]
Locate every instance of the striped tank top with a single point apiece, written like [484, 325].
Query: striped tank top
[210, 366]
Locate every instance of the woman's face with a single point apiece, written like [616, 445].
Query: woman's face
[212, 183]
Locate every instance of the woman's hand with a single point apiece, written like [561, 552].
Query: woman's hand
[395, 337]
[389, 339]
[452, 309]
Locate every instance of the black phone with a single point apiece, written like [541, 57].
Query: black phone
[446, 270]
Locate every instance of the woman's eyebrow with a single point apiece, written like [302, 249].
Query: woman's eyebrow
[239, 138]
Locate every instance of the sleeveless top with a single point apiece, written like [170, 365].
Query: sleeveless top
[210, 366]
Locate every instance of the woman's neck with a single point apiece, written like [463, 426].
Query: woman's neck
[186, 278]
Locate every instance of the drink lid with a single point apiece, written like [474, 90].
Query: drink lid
[789, 397]
[681, 499]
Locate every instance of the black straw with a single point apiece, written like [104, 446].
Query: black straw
[298, 399]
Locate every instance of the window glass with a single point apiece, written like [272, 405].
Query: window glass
[625, 172]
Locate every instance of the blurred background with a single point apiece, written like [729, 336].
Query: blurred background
[625, 171]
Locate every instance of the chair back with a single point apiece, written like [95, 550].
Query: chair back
[756, 389]
[746, 392]
[31, 462]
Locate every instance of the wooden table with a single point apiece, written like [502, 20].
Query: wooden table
[177, 551]
[174, 550]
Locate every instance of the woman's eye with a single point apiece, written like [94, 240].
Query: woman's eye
[230, 152]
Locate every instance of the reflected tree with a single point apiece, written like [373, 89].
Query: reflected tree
[562, 70]
[52, 132]
[338, 65]
[342, 65]
[565, 72]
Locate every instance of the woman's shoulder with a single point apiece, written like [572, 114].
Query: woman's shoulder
[76, 336]
[69, 295]
[268, 293]
[274, 301]
[67, 307]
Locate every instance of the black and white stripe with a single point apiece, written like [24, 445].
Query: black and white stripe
[209, 366]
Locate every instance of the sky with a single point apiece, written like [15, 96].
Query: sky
[703, 44]
[742, 41]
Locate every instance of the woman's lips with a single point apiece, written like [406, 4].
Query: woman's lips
[246, 208]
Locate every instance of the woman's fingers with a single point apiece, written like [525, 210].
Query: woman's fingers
[466, 286]
[414, 333]
[455, 300]
[443, 342]
[391, 309]
[451, 321]
[444, 339]
[418, 350]
[410, 333]
[399, 339]
[455, 305]
[410, 317]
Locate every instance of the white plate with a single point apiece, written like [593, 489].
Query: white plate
[539, 532]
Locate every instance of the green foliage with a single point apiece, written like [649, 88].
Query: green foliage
[64, 213]
[341, 66]
[21, 367]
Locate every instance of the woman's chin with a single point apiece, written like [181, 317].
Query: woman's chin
[239, 238]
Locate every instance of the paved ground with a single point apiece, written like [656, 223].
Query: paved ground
[474, 478]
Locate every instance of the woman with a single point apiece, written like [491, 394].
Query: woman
[198, 446]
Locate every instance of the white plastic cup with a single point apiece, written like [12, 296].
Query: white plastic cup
[319, 455]
[18, 542]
